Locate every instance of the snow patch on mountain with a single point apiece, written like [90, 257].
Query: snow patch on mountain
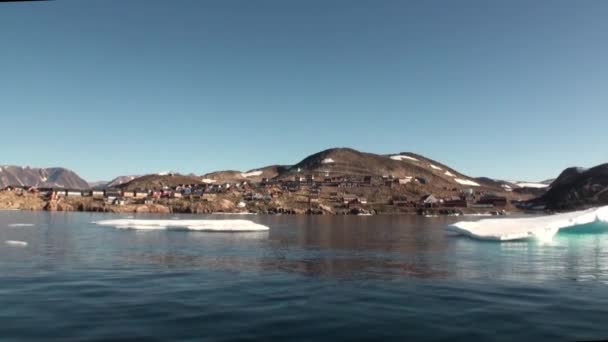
[466, 182]
[251, 173]
[400, 157]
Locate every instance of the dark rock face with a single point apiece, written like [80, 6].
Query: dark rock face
[49, 177]
[577, 188]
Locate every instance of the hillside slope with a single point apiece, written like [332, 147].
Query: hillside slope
[576, 188]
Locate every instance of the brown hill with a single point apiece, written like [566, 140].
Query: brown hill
[255, 175]
[158, 182]
[349, 162]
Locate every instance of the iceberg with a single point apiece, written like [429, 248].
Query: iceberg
[15, 225]
[542, 228]
[198, 225]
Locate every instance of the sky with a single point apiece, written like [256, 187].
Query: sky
[504, 89]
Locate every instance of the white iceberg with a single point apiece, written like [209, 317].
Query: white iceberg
[16, 243]
[15, 225]
[199, 225]
[542, 228]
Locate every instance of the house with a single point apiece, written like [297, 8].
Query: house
[399, 201]
[98, 193]
[347, 198]
[367, 180]
[429, 200]
[177, 195]
[128, 194]
[455, 202]
[87, 193]
[362, 200]
[113, 193]
[141, 194]
[310, 179]
[496, 201]
[405, 180]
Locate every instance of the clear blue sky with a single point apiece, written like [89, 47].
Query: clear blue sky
[506, 89]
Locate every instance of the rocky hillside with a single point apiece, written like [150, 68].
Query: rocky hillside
[255, 175]
[577, 188]
[338, 162]
[158, 181]
[49, 177]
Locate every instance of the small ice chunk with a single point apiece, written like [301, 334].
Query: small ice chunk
[15, 225]
[16, 243]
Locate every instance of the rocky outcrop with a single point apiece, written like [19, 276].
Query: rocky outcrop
[578, 188]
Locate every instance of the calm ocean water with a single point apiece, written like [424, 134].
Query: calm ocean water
[308, 278]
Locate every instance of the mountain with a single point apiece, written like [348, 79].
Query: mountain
[158, 181]
[40, 177]
[577, 188]
[337, 162]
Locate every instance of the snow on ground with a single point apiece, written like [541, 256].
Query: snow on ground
[435, 167]
[44, 179]
[208, 180]
[448, 173]
[199, 225]
[16, 243]
[531, 185]
[466, 182]
[401, 157]
[251, 174]
[164, 173]
[327, 161]
[542, 228]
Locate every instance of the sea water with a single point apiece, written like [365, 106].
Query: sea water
[322, 278]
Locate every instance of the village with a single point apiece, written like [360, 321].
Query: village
[364, 195]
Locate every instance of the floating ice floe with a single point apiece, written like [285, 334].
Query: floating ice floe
[199, 225]
[16, 243]
[400, 157]
[542, 228]
[466, 182]
[15, 225]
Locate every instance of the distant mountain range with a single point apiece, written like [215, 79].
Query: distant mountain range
[49, 177]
